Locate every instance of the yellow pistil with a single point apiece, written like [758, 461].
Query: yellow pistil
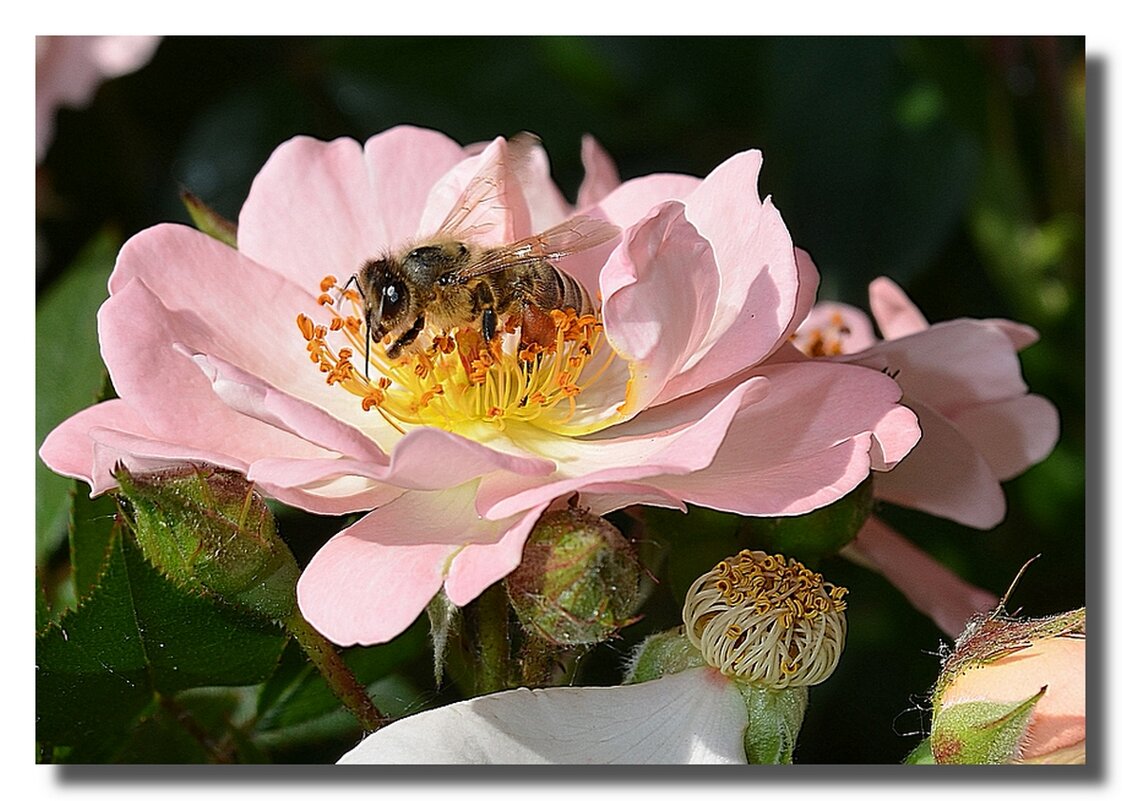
[767, 620]
[827, 340]
[453, 378]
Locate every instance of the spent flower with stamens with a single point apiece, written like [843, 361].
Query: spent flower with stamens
[767, 620]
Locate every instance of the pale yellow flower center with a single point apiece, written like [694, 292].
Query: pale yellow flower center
[767, 620]
[455, 377]
[824, 340]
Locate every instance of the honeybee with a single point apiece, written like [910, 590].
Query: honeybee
[448, 280]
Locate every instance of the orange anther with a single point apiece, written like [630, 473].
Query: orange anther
[307, 327]
[373, 399]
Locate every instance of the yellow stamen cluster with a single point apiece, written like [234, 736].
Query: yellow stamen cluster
[827, 340]
[452, 377]
[767, 620]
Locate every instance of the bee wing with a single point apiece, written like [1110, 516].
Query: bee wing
[486, 187]
[572, 236]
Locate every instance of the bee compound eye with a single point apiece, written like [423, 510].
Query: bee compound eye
[393, 295]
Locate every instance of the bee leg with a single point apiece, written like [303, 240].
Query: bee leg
[406, 339]
[490, 324]
[373, 334]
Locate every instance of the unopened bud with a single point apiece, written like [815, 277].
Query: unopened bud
[206, 528]
[767, 621]
[1013, 690]
[578, 582]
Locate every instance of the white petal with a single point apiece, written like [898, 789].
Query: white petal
[696, 716]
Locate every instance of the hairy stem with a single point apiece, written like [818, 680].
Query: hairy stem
[335, 672]
[492, 632]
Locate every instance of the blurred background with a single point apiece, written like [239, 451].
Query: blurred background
[953, 165]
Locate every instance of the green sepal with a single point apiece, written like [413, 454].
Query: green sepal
[208, 220]
[206, 528]
[661, 654]
[981, 732]
[774, 720]
[921, 754]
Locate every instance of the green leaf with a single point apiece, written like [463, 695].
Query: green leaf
[92, 525]
[68, 372]
[136, 637]
[196, 727]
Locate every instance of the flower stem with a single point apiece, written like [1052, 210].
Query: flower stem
[335, 672]
[492, 631]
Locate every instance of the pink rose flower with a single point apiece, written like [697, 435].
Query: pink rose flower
[68, 70]
[664, 397]
[980, 427]
[963, 379]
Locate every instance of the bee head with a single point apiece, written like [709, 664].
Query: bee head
[386, 296]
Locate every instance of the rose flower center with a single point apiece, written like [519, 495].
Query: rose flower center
[451, 377]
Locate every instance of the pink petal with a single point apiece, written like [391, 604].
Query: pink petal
[929, 586]
[410, 466]
[546, 204]
[808, 289]
[600, 499]
[259, 400]
[260, 337]
[951, 366]
[501, 217]
[944, 475]
[339, 496]
[70, 450]
[480, 565]
[404, 163]
[1057, 728]
[626, 459]
[760, 289]
[600, 174]
[1019, 334]
[810, 441]
[370, 581]
[176, 401]
[319, 208]
[660, 288]
[355, 591]
[894, 312]
[1011, 435]
[633, 200]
